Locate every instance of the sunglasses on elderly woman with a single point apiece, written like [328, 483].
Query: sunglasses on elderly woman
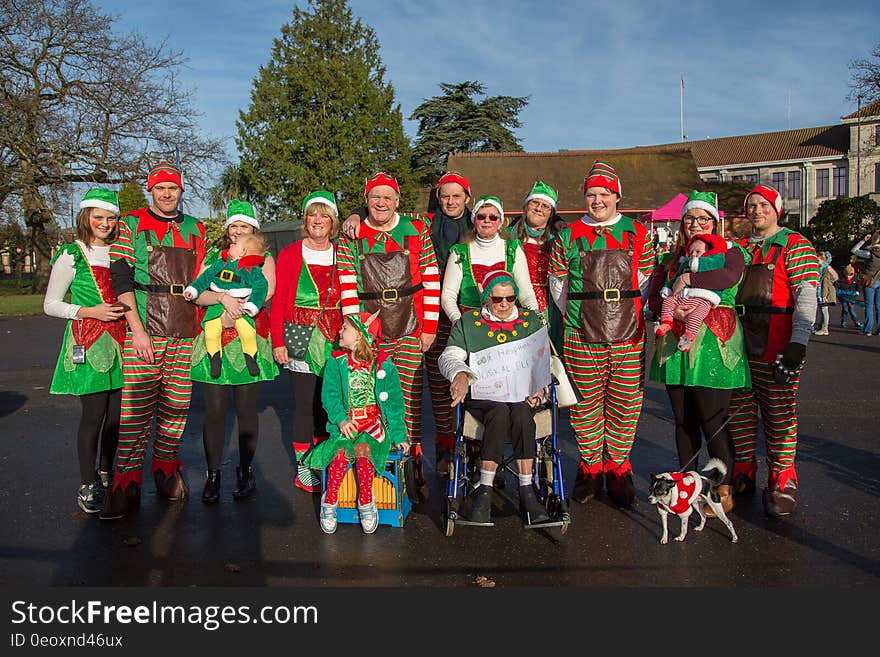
[489, 217]
[509, 299]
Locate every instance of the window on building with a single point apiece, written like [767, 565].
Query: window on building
[794, 184]
[713, 179]
[841, 181]
[877, 178]
[877, 135]
[752, 177]
[822, 178]
[739, 177]
[779, 183]
[794, 220]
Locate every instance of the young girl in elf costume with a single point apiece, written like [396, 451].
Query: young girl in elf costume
[90, 362]
[364, 403]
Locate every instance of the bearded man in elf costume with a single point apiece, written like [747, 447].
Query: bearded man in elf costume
[159, 250]
[390, 266]
[599, 266]
[777, 301]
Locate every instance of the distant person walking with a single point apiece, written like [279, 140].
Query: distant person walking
[870, 281]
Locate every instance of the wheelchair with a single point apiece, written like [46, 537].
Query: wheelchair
[547, 472]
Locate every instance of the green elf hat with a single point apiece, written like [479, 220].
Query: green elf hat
[105, 199]
[495, 277]
[543, 192]
[241, 211]
[320, 196]
[370, 329]
[707, 201]
[494, 201]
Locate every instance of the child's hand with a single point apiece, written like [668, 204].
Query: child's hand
[404, 447]
[188, 295]
[348, 428]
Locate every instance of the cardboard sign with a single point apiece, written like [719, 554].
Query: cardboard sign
[512, 371]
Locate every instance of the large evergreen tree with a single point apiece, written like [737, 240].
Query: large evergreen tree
[454, 122]
[840, 221]
[321, 114]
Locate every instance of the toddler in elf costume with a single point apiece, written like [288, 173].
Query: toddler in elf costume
[691, 305]
[364, 403]
[238, 273]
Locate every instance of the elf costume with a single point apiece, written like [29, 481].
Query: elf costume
[155, 257]
[600, 268]
[777, 301]
[470, 261]
[394, 270]
[370, 395]
[305, 319]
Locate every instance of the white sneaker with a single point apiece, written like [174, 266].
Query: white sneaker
[369, 515]
[328, 515]
[823, 331]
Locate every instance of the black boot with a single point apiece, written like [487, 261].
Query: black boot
[216, 361]
[481, 504]
[252, 366]
[172, 487]
[211, 493]
[247, 483]
[587, 485]
[531, 509]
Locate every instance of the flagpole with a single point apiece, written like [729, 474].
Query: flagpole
[681, 107]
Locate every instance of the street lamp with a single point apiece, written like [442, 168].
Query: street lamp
[859, 146]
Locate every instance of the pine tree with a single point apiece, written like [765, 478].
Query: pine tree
[454, 123]
[321, 115]
[131, 197]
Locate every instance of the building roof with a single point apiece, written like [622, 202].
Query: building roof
[799, 145]
[872, 109]
[648, 179]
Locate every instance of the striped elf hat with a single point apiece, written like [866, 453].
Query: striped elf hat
[768, 193]
[492, 279]
[602, 174]
[164, 172]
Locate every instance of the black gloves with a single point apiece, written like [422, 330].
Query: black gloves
[789, 362]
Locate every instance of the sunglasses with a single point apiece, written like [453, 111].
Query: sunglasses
[509, 299]
[489, 217]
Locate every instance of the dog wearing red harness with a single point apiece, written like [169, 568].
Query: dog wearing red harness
[683, 492]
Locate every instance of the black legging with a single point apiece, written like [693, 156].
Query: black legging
[214, 433]
[306, 386]
[503, 422]
[696, 408]
[98, 409]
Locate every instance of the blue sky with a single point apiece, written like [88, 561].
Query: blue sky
[599, 75]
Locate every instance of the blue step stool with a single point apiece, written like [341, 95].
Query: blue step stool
[389, 491]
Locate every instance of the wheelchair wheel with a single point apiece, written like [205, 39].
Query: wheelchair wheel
[409, 476]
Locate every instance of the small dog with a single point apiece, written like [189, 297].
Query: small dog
[682, 492]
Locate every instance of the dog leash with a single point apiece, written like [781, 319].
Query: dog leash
[710, 438]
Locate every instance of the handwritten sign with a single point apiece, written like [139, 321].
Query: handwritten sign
[512, 371]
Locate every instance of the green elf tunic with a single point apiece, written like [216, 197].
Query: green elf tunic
[345, 387]
[234, 370]
[717, 356]
[102, 369]
[475, 331]
[469, 295]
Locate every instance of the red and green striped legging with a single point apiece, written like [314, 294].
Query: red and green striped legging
[406, 354]
[609, 377]
[778, 407]
[163, 389]
[441, 401]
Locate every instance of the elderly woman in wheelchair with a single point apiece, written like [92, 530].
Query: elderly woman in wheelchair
[499, 321]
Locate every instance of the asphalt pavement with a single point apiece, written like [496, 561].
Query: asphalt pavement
[274, 540]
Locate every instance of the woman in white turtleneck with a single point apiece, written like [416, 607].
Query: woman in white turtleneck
[484, 248]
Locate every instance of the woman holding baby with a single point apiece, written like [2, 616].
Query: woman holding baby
[700, 379]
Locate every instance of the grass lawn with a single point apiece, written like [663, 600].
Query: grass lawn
[21, 304]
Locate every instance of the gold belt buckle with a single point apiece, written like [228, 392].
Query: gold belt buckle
[359, 413]
[611, 294]
[226, 276]
[390, 294]
[176, 289]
